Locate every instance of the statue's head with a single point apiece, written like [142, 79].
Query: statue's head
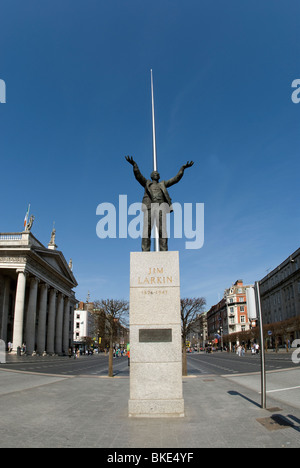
[155, 176]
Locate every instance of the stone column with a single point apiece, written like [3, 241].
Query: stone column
[59, 324]
[19, 310]
[66, 327]
[72, 324]
[4, 312]
[31, 317]
[51, 322]
[41, 331]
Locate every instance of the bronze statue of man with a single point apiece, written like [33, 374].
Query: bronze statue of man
[156, 203]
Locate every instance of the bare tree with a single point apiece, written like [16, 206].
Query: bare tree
[190, 309]
[111, 314]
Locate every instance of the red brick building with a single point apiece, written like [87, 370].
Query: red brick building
[230, 314]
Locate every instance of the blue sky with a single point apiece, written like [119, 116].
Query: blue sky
[77, 77]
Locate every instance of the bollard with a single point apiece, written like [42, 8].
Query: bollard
[2, 352]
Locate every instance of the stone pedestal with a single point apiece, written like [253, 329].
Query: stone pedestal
[155, 336]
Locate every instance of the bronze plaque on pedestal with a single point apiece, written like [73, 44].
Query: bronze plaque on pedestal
[155, 335]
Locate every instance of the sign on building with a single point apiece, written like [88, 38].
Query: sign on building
[251, 303]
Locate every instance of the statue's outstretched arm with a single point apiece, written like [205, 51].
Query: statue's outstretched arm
[179, 176]
[137, 173]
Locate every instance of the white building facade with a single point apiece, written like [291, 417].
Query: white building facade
[83, 322]
[81, 329]
[37, 300]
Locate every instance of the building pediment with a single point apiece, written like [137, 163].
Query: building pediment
[56, 260]
[23, 248]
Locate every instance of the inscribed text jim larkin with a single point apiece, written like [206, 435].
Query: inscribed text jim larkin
[155, 276]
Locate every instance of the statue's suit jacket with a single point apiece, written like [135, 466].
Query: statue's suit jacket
[147, 200]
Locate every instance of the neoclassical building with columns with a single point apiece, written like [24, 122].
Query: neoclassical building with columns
[37, 300]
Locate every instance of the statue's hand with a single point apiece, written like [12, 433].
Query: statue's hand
[188, 164]
[130, 160]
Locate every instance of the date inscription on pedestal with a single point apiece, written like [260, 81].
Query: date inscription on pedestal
[155, 335]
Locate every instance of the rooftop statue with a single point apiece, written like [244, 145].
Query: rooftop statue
[29, 224]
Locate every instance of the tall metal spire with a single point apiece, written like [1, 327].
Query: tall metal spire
[154, 158]
[153, 127]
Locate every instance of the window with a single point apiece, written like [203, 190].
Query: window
[278, 298]
[77, 325]
[292, 292]
[242, 309]
[243, 319]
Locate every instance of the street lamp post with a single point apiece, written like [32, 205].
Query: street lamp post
[262, 349]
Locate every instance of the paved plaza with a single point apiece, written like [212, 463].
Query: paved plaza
[87, 411]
